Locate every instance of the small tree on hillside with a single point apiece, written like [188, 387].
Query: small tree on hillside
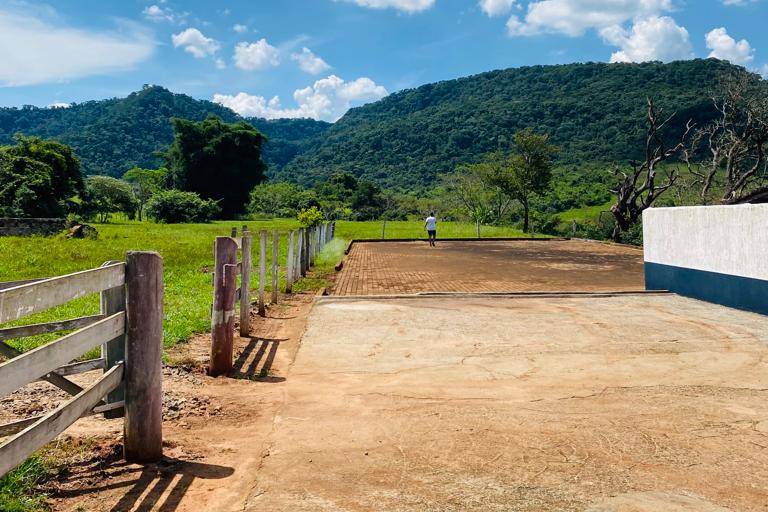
[526, 172]
[146, 183]
[638, 188]
[105, 195]
[477, 196]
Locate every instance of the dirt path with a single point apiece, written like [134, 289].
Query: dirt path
[384, 268]
[216, 430]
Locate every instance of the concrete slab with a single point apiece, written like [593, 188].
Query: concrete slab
[522, 404]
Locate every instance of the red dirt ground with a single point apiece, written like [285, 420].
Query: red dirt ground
[382, 268]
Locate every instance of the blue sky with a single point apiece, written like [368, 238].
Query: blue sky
[317, 58]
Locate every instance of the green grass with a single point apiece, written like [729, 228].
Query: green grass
[187, 251]
[415, 229]
[17, 488]
[585, 214]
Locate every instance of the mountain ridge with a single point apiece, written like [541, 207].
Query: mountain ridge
[593, 111]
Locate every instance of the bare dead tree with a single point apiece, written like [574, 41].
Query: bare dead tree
[728, 156]
[638, 188]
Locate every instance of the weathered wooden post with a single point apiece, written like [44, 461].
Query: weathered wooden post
[222, 315]
[143, 425]
[245, 284]
[289, 268]
[113, 301]
[478, 228]
[275, 266]
[262, 271]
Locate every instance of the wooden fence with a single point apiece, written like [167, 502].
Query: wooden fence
[129, 329]
[303, 246]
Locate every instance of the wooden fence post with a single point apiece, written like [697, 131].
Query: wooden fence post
[275, 266]
[113, 301]
[262, 271]
[222, 315]
[289, 269]
[143, 425]
[245, 284]
[234, 233]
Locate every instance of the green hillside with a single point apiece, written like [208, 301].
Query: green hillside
[111, 136]
[594, 112]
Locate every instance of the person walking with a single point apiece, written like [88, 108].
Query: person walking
[431, 226]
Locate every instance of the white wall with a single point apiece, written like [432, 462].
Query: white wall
[725, 239]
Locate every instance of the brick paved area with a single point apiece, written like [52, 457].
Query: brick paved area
[382, 268]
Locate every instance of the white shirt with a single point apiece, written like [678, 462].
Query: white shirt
[431, 224]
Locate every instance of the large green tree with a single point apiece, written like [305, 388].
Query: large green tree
[37, 178]
[525, 172]
[216, 160]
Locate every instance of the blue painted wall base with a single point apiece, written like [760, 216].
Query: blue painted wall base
[733, 291]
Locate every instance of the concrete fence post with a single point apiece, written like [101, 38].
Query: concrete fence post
[245, 283]
[289, 268]
[300, 255]
[222, 314]
[143, 424]
[275, 265]
[262, 271]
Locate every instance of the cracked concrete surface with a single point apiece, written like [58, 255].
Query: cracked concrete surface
[631, 403]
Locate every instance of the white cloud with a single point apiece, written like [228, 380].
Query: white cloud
[59, 104]
[309, 62]
[35, 50]
[738, 2]
[256, 56]
[497, 7]
[653, 38]
[727, 48]
[220, 64]
[240, 28]
[575, 17]
[327, 99]
[157, 13]
[401, 5]
[764, 71]
[193, 41]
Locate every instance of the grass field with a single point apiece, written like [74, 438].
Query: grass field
[187, 251]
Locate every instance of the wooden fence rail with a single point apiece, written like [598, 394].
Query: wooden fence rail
[301, 244]
[129, 330]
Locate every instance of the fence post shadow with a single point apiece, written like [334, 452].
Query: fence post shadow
[247, 367]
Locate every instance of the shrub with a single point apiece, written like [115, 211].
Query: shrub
[176, 206]
[310, 217]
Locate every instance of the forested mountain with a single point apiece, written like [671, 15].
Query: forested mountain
[594, 112]
[111, 136]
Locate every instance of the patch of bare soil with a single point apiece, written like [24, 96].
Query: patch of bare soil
[214, 429]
